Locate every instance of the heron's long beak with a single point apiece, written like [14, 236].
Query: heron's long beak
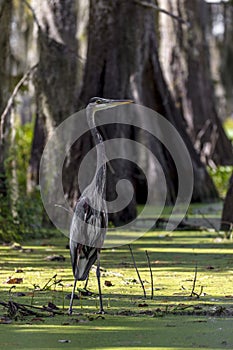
[114, 103]
[107, 104]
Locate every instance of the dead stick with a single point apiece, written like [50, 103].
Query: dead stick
[47, 283]
[194, 282]
[135, 266]
[151, 275]
[208, 221]
[27, 307]
[12, 98]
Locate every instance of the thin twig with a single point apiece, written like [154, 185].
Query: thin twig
[61, 206]
[10, 292]
[151, 275]
[208, 221]
[47, 283]
[33, 12]
[194, 282]
[201, 291]
[12, 98]
[135, 266]
[157, 8]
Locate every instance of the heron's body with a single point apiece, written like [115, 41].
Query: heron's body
[87, 235]
[90, 220]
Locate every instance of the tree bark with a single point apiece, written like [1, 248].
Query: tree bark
[55, 80]
[226, 67]
[227, 214]
[107, 75]
[122, 62]
[186, 62]
[5, 73]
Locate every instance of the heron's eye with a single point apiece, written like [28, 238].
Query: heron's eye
[98, 101]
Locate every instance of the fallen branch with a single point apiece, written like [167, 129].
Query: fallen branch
[135, 266]
[157, 8]
[26, 310]
[160, 222]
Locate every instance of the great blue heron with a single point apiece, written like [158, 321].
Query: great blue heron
[90, 220]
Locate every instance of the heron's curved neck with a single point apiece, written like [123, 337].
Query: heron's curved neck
[100, 175]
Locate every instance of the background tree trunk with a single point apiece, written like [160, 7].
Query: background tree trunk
[55, 81]
[227, 214]
[5, 74]
[187, 65]
[122, 62]
[227, 56]
[107, 75]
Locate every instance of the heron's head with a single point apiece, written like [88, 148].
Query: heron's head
[98, 103]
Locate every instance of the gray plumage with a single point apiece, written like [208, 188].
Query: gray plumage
[90, 220]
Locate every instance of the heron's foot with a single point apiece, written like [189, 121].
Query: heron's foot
[101, 312]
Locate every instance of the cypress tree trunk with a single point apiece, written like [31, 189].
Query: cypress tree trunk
[226, 67]
[186, 62]
[56, 74]
[5, 73]
[122, 62]
[227, 214]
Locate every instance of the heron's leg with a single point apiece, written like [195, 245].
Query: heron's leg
[72, 298]
[98, 279]
[74, 287]
[86, 283]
